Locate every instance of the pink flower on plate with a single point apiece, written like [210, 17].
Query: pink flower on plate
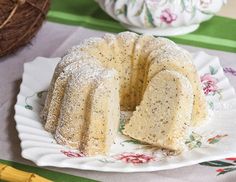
[209, 84]
[167, 16]
[135, 158]
[220, 170]
[72, 154]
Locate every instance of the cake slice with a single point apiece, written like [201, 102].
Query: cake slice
[164, 115]
[174, 58]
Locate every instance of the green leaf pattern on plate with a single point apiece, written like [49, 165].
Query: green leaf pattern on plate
[38, 94]
[194, 141]
[225, 166]
[122, 125]
[148, 17]
[213, 70]
[216, 163]
[122, 10]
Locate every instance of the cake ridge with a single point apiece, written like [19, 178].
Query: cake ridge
[89, 75]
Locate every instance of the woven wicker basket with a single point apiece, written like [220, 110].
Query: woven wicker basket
[19, 22]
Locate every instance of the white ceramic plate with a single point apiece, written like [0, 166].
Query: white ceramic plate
[214, 140]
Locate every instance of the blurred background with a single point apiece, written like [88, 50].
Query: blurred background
[229, 10]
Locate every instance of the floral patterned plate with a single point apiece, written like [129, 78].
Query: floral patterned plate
[214, 140]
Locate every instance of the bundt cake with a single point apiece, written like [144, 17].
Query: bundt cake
[139, 61]
[164, 113]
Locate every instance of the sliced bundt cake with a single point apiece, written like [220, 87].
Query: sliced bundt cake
[81, 102]
[164, 114]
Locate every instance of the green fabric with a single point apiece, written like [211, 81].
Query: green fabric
[218, 33]
[52, 175]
